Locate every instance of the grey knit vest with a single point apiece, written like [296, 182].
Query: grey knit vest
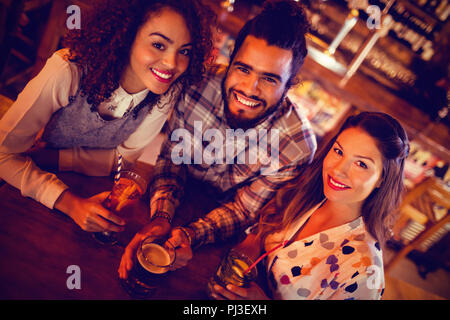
[76, 125]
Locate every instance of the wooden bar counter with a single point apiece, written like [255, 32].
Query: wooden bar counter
[37, 245]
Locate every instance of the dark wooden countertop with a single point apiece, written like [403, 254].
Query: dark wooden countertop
[37, 245]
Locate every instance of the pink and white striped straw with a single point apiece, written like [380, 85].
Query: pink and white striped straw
[119, 169]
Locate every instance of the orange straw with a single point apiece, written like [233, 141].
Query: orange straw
[264, 255]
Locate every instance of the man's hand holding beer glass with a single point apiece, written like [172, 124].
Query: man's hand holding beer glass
[157, 228]
[154, 258]
[182, 245]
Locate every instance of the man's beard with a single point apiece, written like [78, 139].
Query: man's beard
[238, 121]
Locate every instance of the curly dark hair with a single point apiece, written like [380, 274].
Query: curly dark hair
[101, 48]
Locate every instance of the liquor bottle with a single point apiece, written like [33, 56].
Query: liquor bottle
[443, 10]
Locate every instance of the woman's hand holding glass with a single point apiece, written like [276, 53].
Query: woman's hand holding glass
[89, 213]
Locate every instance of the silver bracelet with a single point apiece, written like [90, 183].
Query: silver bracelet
[163, 215]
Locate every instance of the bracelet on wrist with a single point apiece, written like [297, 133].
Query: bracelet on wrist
[162, 215]
[186, 233]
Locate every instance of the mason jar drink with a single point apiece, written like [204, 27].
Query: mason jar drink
[126, 191]
[231, 271]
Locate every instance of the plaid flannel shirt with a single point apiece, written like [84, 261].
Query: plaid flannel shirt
[202, 108]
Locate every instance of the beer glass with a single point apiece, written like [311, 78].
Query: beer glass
[154, 257]
[231, 271]
[126, 191]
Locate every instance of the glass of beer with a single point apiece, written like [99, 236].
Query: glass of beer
[231, 271]
[126, 191]
[154, 258]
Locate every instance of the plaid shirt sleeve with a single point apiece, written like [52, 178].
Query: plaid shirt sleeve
[167, 185]
[235, 216]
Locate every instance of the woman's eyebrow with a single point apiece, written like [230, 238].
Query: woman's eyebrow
[363, 157]
[167, 38]
[356, 155]
[162, 36]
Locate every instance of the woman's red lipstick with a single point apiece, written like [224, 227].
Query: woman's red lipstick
[335, 184]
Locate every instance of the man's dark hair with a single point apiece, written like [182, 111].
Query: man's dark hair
[283, 24]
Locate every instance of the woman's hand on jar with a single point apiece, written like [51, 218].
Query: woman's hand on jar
[89, 213]
[232, 292]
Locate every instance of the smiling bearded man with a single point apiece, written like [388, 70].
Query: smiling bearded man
[248, 95]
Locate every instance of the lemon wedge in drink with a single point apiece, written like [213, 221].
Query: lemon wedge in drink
[242, 264]
[238, 271]
[240, 267]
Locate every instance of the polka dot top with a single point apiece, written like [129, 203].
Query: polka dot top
[341, 263]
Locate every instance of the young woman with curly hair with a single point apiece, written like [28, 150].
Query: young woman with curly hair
[330, 225]
[108, 93]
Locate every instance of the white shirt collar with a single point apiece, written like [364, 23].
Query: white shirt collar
[135, 97]
[121, 102]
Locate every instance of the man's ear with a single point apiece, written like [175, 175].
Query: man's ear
[295, 81]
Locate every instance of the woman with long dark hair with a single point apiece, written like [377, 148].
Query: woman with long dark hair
[333, 221]
[105, 96]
